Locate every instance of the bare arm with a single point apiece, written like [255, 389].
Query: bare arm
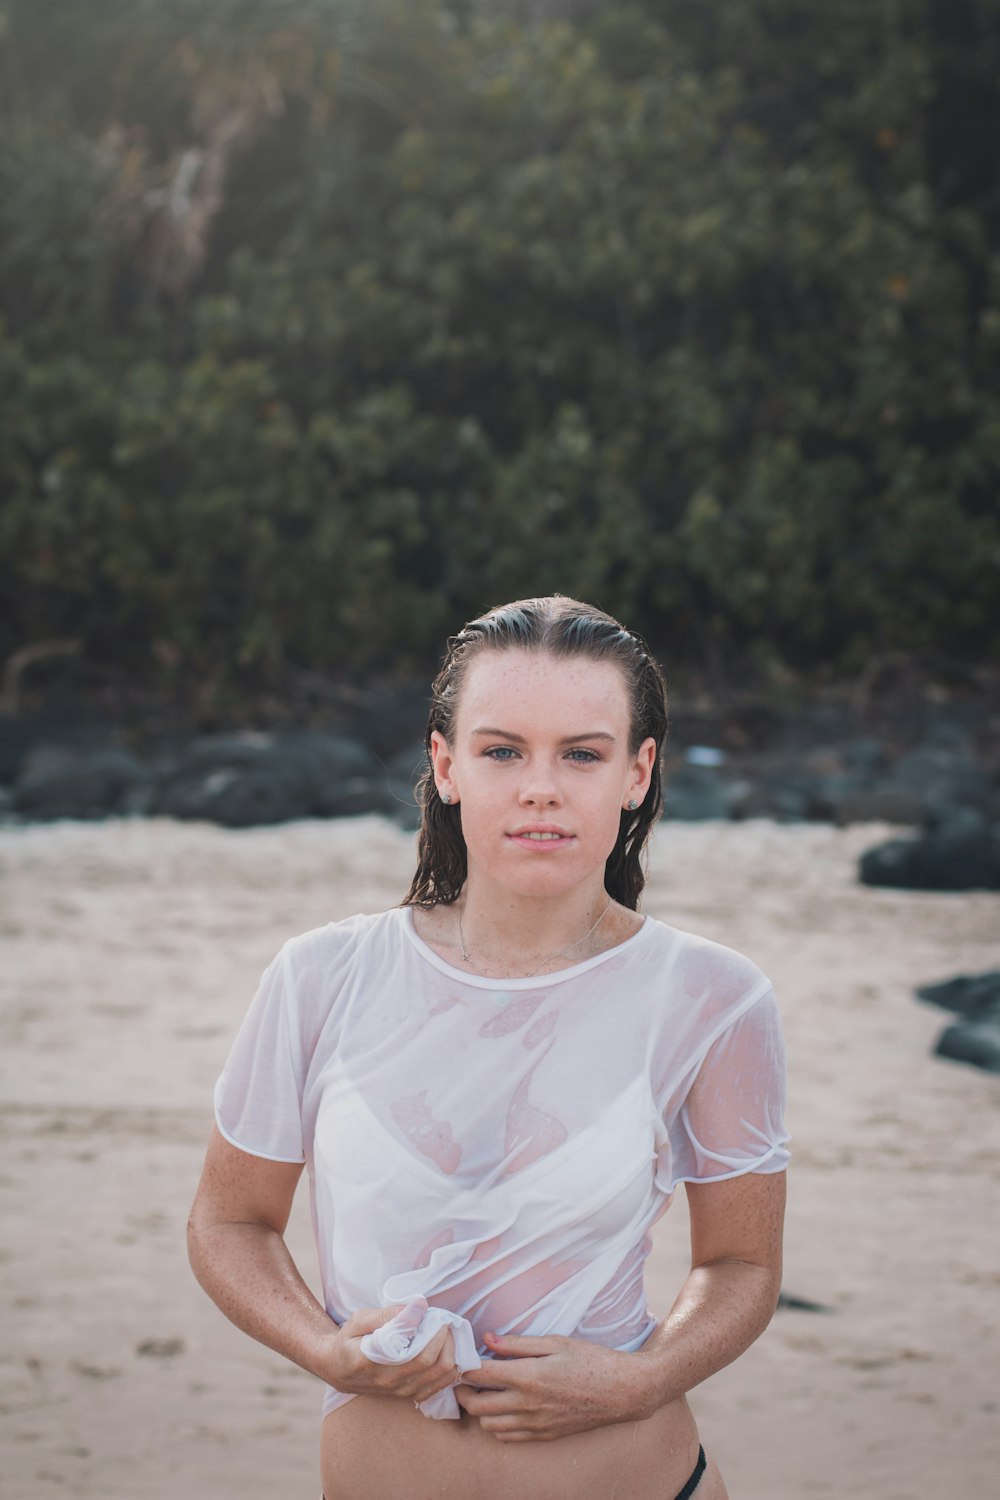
[238, 1254]
[732, 1289]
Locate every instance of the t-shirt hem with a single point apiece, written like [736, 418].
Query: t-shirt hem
[772, 1162]
[296, 1161]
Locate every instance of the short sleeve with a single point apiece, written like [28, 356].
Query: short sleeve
[258, 1097]
[731, 1120]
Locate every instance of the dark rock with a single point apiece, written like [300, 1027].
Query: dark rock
[403, 770]
[942, 772]
[236, 797]
[408, 764]
[974, 996]
[392, 716]
[244, 780]
[246, 748]
[928, 785]
[881, 803]
[77, 731]
[693, 793]
[962, 855]
[864, 758]
[976, 1037]
[331, 768]
[975, 1042]
[788, 796]
[61, 783]
[17, 737]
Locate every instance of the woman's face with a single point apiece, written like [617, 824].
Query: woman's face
[541, 768]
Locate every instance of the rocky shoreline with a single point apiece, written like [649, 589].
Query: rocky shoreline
[932, 770]
[930, 765]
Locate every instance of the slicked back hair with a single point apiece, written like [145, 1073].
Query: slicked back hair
[562, 627]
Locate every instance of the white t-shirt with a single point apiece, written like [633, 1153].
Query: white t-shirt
[503, 1147]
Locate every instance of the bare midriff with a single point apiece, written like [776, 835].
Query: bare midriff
[383, 1448]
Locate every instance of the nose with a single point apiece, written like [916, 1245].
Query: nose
[539, 788]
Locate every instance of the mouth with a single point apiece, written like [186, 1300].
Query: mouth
[538, 836]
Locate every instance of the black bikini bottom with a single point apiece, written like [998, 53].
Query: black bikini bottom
[692, 1483]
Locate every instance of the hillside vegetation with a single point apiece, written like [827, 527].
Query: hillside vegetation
[325, 325]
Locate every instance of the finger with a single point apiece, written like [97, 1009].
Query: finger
[431, 1387]
[496, 1375]
[485, 1403]
[431, 1355]
[367, 1319]
[440, 1377]
[519, 1345]
[508, 1426]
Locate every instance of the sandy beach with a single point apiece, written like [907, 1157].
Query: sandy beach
[130, 952]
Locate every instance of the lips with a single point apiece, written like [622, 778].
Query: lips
[544, 837]
[540, 832]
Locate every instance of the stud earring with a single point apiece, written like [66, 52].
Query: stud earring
[446, 798]
[632, 804]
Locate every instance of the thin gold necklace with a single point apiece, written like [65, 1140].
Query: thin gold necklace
[562, 951]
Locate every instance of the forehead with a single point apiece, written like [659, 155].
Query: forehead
[574, 692]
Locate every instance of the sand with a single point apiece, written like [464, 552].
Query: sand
[130, 951]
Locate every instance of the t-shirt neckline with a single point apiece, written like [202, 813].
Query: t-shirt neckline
[526, 982]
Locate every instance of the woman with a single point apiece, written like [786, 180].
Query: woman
[497, 1087]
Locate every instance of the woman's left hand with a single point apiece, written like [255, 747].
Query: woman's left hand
[551, 1387]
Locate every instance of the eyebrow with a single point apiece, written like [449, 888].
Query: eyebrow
[568, 739]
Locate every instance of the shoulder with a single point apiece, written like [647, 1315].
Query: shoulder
[314, 963]
[708, 981]
[319, 952]
[697, 961]
[313, 973]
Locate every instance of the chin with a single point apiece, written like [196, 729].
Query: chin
[548, 883]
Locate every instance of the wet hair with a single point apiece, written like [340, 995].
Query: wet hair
[562, 627]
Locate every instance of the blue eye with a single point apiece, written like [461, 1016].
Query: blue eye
[583, 757]
[500, 753]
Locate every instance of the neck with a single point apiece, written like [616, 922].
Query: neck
[515, 932]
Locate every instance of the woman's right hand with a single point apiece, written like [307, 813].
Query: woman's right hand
[419, 1378]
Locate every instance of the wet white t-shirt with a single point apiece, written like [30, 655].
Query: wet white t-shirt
[503, 1147]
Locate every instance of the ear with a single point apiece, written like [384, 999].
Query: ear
[443, 764]
[641, 772]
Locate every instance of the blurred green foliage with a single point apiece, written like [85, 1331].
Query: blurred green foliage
[324, 325]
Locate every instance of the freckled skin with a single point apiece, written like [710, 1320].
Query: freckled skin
[530, 773]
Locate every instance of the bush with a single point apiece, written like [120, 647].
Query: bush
[328, 325]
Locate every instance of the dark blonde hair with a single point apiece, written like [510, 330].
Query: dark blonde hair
[563, 627]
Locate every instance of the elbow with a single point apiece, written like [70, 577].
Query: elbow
[197, 1251]
[761, 1288]
[193, 1242]
[768, 1288]
[768, 1295]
